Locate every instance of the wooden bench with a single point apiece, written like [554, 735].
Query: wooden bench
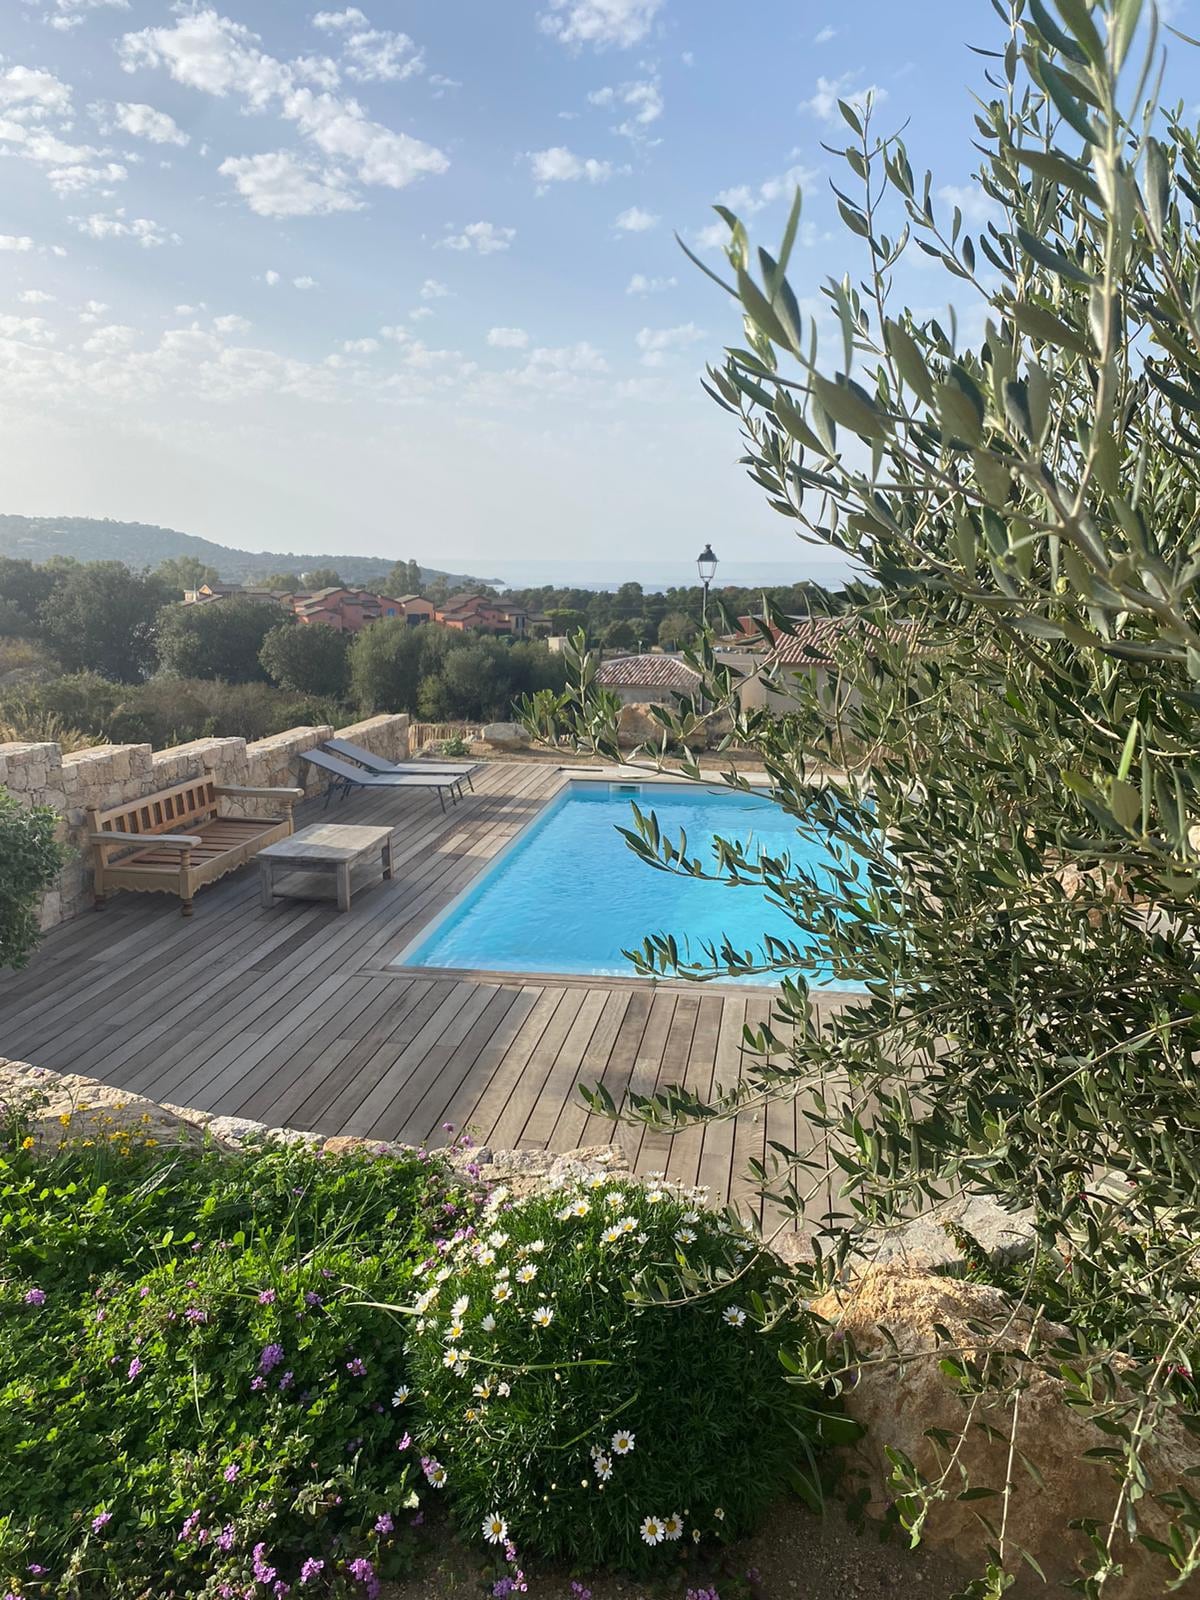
[188, 842]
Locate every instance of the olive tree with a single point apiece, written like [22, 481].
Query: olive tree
[1006, 769]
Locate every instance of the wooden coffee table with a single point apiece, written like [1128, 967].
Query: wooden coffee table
[324, 848]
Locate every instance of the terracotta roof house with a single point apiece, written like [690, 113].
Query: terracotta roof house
[208, 592]
[653, 679]
[344, 610]
[477, 613]
[810, 647]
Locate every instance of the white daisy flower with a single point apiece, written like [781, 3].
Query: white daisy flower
[455, 1358]
[580, 1208]
[602, 1466]
[425, 1300]
[459, 1308]
[503, 1390]
[656, 1196]
[495, 1529]
[497, 1240]
[483, 1391]
[454, 1330]
[627, 1225]
[610, 1236]
[673, 1526]
[526, 1274]
[685, 1236]
[691, 1216]
[622, 1442]
[614, 1200]
[734, 1316]
[401, 1395]
[652, 1531]
[543, 1316]
[501, 1291]
[537, 1246]
[441, 1274]
[597, 1180]
[642, 1238]
[503, 1272]
[564, 1215]
[497, 1196]
[485, 1257]
[435, 1475]
[719, 1514]
[488, 1324]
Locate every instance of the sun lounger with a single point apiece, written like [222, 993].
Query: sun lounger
[347, 751]
[343, 777]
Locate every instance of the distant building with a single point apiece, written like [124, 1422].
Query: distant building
[477, 613]
[810, 648]
[208, 592]
[343, 610]
[414, 608]
[653, 679]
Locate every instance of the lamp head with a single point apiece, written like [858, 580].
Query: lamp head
[706, 564]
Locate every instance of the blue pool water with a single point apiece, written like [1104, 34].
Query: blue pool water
[570, 896]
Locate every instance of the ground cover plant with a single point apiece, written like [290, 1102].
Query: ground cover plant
[195, 1389]
[577, 1403]
[1007, 744]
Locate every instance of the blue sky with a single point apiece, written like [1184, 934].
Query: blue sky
[401, 278]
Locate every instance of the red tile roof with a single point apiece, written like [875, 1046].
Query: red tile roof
[813, 641]
[648, 672]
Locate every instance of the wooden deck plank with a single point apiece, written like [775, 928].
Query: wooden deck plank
[297, 1015]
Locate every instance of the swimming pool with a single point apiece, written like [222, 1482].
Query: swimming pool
[569, 896]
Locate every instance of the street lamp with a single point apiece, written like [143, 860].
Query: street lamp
[706, 566]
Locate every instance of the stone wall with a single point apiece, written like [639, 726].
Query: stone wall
[110, 774]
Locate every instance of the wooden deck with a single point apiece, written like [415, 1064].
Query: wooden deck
[295, 1015]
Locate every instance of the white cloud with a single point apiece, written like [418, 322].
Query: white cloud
[15, 241]
[304, 282]
[747, 199]
[656, 344]
[642, 98]
[231, 323]
[35, 297]
[507, 338]
[431, 289]
[824, 35]
[823, 103]
[635, 220]
[600, 23]
[79, 176]
[395, 332]
[976, 205]
[371, 55]
[439, 83]
[109, 340]
[30, 88]
[70, 13]
[144, 122]
[148, 234]
[276, 184]
[485, 237]
[218, 56]
[560, 165]
[419, 313]
[30, 330]
[360, 347]
[29, 99]
[92, 311]
[641, 284]
[270, 277]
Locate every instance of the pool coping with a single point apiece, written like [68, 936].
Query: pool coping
[395, 966]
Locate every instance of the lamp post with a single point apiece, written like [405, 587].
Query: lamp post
[706, 566]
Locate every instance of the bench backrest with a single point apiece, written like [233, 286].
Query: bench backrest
[168, 811]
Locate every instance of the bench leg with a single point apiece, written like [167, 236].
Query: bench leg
[343, 886]
[266, 883]
[387, 860]
[185, 910]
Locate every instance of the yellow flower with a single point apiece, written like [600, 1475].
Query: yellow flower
[27, 1142]
[65, 1119]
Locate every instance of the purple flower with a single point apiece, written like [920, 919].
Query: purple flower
[258, 1383]
[404, 1442]
[225, 1537]
[281, 1589]
[35, 1297]
[447, 1127]
[143, 1291]
[287, 1381]
[231, 1473]
[35, 1569]
[99, 1522]
[311, 1570]
[267, 1297]
[357, 1368]
[135, 1366]
[271, 1356]
[311, 1299]
[189, 1527]
[384, 1523]
[196, 1314]
[263, 1571]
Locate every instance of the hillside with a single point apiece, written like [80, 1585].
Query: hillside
[141, 544]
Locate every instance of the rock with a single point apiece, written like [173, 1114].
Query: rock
[924, 1244]
[522, 1172]
[899, 1401]
[504, 736]
[74, 1108]
[638, 725]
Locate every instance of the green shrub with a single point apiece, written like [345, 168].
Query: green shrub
[595, 1425]
[195, 1377]
[30, 858]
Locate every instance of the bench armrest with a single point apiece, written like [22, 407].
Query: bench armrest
[239, 791]
[175, 841]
